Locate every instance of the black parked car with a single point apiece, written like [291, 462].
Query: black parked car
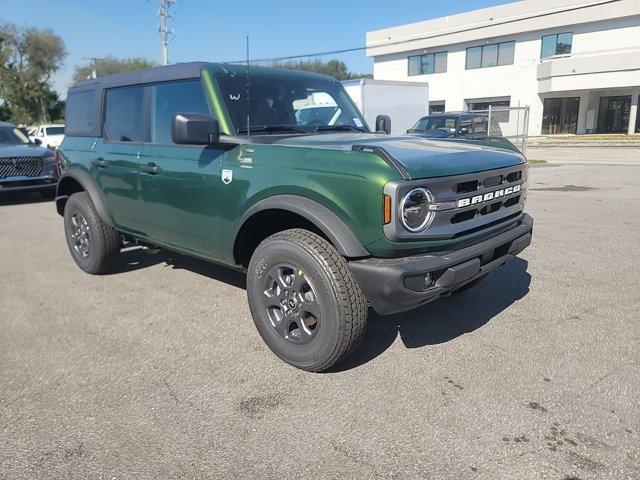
[467, 127]
[24, 165]
[453, 125]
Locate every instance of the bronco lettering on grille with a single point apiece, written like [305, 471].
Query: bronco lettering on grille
[476, 199]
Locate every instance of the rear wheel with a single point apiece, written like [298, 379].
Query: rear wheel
[304, 300]
[93, 245]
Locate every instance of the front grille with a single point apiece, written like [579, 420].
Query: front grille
[470, 186]
[466, 203]
[20, 167]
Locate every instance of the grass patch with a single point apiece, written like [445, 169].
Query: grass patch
[537, 163]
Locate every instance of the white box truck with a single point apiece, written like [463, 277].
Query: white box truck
[404, 102]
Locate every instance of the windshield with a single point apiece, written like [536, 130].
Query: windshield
[436, 123]
[286, 103]
[55, 130]
[13, 136]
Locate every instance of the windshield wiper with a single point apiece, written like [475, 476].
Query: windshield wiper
[271, 129]
[343, 128]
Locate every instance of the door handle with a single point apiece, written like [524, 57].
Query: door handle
[99, 162]
[150, 168]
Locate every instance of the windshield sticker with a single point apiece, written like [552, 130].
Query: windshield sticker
[358, 122]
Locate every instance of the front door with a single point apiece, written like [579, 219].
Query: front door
[560, 115]
[613, 115]
[115, 158]
[180, 184]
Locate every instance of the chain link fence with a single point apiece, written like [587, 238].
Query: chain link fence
[511, 123]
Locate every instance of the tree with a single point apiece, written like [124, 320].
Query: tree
[28, 59]
[109, 65]
[334, 68]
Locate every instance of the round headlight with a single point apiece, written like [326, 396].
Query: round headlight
[414, 210]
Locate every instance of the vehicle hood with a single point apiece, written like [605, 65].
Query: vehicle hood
[30, 150]
[420, 157]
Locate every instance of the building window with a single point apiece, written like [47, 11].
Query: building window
[482, 106]
[558, 44]
[427, 64]
[436, 106]
[490, 55]
[614, 113]
[560, 115]
[500, 108]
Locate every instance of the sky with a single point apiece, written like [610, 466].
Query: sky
[213, 30]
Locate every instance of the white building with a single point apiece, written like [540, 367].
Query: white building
[576, 63]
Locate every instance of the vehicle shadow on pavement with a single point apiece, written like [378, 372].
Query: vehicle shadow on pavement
[135, 258]
[16, 198]
[446, 318]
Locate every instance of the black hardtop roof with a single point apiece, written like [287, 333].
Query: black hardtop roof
[454, 114]
[181, 71]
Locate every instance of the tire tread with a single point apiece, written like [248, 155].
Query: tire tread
[107, 256]
[352, 304]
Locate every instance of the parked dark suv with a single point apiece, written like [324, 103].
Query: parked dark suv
[326, 218]
[453, 125]
[26, 166]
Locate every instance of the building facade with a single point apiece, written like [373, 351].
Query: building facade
[575, 63]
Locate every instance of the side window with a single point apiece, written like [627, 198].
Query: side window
[480, 125]
[465, 122]
[169, 99]
[123, 114]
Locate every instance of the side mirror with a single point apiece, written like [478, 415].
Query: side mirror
[194, 129]
[383, 124]
[37, 141]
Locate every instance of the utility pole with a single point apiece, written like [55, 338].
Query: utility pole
[165, 33]
[94, 60]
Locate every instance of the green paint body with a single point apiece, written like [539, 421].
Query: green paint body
[187, 207]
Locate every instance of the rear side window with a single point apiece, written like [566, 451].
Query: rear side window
[123, 114]
[169, 99]
[80, 113]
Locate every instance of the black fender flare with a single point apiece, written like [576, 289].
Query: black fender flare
[327, 221]
[89, 185]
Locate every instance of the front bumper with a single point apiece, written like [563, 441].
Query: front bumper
[395, 285]
[27, 184]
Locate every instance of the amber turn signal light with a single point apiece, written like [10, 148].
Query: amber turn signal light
[386, 209]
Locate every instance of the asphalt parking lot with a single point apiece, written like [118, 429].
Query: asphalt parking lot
[157, 371]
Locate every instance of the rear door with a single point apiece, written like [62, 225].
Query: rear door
[180, 184]
[116, 157]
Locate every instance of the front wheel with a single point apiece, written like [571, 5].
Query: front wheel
[305, 302]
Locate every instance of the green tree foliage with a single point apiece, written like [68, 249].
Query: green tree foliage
[28, 59]
[335, 68]
[109, 65]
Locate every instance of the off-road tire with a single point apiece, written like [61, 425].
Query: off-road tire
[343, 319]
[104, 240]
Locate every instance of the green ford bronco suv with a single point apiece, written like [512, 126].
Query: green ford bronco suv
[325, 217]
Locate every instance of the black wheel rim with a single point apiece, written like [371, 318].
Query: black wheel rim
[80, 235]
[291, 303]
